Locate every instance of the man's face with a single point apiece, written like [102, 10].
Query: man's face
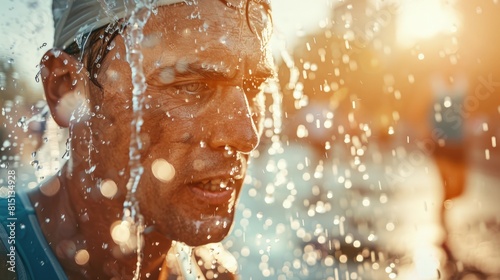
[203, 68]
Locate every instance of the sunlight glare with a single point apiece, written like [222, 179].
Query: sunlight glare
[291, 23]
[424, 19]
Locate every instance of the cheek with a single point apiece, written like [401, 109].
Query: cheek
[155, 193]
[110, 125]
[170, 122]
[115, 107]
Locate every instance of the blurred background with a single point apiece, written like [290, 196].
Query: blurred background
[381, 161]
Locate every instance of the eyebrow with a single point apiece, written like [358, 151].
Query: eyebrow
[211, 71]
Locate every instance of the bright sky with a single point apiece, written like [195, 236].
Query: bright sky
[25, 25]
[423, 19]
[295, 17]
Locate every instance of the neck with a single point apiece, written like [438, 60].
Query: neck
[77, 225]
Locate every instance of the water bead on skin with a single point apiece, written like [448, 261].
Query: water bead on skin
[229, 151]
[203, 144]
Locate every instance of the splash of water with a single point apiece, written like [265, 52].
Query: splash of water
[133, 39]
[277, 113]
[186, 261]
[140, 11]
[24, 122]
[43, 167]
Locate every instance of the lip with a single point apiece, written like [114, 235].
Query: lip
[217, 197]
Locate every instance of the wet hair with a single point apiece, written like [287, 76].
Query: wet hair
[99, 41]
[99, 46]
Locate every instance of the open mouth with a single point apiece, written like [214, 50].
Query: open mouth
[216, 185]
[215, 191]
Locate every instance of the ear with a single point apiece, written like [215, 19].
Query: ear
[65, 84]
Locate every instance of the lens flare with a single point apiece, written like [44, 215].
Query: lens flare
[109, 188]
[163, 170]
[82, 257]
[120, 232]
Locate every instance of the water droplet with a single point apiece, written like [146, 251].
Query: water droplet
[111, 45]
[229, 151]
[223, 40]
[195, 15]
[6, 143]
[90, 169]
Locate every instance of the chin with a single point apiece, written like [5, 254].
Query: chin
[201, 232]
[211, 232]
[202, 240]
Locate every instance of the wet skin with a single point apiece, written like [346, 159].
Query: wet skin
[201, 115]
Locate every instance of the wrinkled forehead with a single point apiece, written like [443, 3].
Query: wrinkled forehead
[220, 31]
[243, 18]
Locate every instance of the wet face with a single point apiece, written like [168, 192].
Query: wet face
[204, 67]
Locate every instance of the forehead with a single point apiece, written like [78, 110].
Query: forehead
[236, 13]
[211, 29]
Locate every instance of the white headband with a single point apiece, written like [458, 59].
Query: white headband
[74, 17]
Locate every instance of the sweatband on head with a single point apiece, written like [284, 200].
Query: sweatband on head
[78, 17]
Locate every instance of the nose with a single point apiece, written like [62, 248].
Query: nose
[232, 121]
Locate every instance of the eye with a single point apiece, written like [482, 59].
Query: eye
[192, 88]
